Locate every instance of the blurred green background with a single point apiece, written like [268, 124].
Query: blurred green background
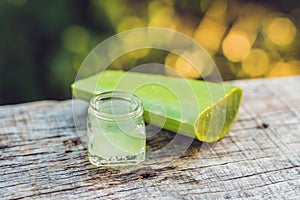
[43, 43]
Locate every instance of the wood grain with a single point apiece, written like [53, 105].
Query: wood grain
[43, 154]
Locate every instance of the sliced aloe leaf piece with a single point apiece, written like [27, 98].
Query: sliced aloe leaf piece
[195, 108]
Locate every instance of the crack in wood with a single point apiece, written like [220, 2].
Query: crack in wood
[42, 155]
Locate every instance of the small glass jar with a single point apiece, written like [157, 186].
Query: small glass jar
[116, 129]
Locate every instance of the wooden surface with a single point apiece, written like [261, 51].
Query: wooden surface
[43, 157]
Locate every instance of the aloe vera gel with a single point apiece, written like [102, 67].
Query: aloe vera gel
[116, 129]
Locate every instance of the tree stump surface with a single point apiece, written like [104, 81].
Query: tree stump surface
[43, 155]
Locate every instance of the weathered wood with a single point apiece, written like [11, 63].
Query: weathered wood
[42, 155]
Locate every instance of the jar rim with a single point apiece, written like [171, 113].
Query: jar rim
[137, 109]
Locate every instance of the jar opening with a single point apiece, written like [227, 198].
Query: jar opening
[116, 105]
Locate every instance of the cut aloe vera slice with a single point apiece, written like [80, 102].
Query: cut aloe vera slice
[200, 109]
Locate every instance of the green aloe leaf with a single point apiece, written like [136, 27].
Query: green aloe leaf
[200, 109]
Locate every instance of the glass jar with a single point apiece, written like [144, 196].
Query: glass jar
[116, 129]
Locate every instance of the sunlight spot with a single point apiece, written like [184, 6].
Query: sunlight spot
[281, 31]
[236, 45]
[255, 63]
[75, 39]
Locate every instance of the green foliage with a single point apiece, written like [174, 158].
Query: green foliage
[36, 59]
[43, 43]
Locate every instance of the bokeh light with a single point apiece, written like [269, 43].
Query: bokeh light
[281, 31]
[75, 39]
[284, 68]
[209, 34]
[256, 63]
[162, 17]
[236, 45]
[130, 22]
[246, 39]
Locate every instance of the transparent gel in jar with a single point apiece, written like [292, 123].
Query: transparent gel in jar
[116, 129]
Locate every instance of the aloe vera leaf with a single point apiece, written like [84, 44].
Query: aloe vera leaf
[208, 120]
